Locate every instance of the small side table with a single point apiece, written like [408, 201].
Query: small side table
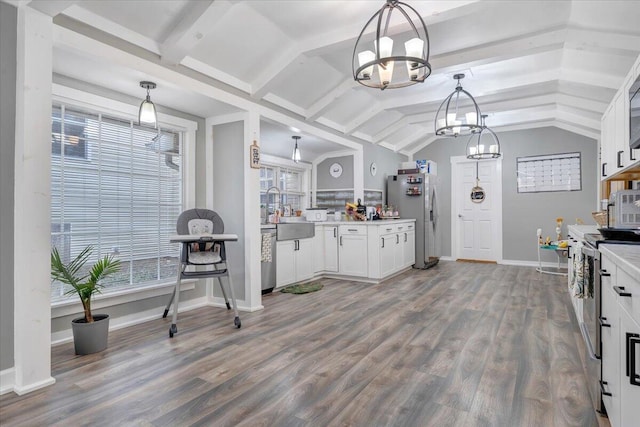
[560, 253]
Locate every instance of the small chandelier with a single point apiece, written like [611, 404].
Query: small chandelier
[415, 58]
[483, 144]
[147, 114]
[456, 116]
[295, 156]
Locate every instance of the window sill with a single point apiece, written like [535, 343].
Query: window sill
[73, 306]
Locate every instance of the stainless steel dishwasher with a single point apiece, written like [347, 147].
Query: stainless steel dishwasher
[268, 259]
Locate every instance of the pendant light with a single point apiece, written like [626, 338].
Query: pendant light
[147, 114]
[484, 144]
[458, 114]
[295, 156]
[377, 54]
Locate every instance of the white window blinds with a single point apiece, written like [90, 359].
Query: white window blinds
[116, 186]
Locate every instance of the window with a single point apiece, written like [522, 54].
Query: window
[290, 183]
[121, 193]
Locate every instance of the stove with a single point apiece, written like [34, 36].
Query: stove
[595, 240]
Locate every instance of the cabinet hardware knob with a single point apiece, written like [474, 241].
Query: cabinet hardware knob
[603, 168]
[620, 291]
[603, 322]
[604, 393]
[620, 159]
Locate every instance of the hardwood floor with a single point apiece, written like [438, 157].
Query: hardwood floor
[461, 344]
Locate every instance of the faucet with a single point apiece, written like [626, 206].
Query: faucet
[278, 202]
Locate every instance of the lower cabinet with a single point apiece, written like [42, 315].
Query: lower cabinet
[620, 339]
[352, 251]
[395, 249]
[331, 248]
[318, 249]
[294, 261]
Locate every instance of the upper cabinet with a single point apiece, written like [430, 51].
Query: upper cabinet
[615, 153]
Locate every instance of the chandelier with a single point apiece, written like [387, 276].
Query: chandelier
[458, 114]
[415, 58]
[483, 144]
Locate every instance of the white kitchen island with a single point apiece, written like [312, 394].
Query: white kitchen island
[369, 251]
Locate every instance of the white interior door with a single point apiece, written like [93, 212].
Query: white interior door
[477, 226]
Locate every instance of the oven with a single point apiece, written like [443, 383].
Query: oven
[590, 321]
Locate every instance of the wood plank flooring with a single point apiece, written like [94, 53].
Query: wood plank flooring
[461, 344]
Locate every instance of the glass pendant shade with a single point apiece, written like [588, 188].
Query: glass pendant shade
[458, 114]
[483, 144]
[147, 114]
[391, 67]
[295, 156]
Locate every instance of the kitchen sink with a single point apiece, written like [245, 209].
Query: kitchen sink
[295, 230]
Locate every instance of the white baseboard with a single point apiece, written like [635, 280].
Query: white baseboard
[530, 263]
[7, 380]
[242, 305]
[8, 383]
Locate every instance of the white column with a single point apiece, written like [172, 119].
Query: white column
[252, 237]
[358, 174]
[32, 245]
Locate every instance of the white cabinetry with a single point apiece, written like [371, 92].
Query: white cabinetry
[352, 250]
[395, 249]
[615, 153]
[318, 249]
[294, 261]
[620, 344]
[330, 256]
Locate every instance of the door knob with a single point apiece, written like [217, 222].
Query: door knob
[459, 215]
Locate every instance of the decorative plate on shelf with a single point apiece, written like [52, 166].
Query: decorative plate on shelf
[335, 170]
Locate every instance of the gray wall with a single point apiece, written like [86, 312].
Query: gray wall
[228, 194]
[387, 162]
[8, 40]
[327, 182]
[523, 213]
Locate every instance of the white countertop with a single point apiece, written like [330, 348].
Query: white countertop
[379, 222]
[626, 257]
[578, 231]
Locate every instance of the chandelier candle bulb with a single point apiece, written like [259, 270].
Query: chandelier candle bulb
[472, 118]
[493, 149]
[363, 58]
[472, 150]
[413, 48]
[481, 148]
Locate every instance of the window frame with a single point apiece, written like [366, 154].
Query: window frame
[83, 100]
[278, 164]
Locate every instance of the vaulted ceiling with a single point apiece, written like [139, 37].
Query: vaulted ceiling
[527, 63]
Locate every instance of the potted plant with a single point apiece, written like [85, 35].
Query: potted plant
[90, 332]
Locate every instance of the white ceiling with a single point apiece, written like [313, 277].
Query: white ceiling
[527, 63]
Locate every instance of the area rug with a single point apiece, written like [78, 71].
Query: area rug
[304, 288]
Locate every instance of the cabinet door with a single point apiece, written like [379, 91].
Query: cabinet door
[610, 338]
[352, 254]
[304, 259]
[607, 144]
[409, 248]
[331, 249]
[285, 263]
[318, 249]
[629, 393]
[621, 132]
[387, 247]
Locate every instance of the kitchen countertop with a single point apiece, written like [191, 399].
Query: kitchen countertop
[578, 231]
[626, 257]
[380, 222]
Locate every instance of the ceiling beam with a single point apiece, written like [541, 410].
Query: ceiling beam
[261, 85]
[323, 104]
[368, 114]
[198, 19]
[51, 8]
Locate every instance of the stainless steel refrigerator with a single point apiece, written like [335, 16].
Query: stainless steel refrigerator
[415, 196]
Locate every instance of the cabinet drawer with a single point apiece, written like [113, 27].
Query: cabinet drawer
[401, 228]
[628, 290]
[353, 229]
